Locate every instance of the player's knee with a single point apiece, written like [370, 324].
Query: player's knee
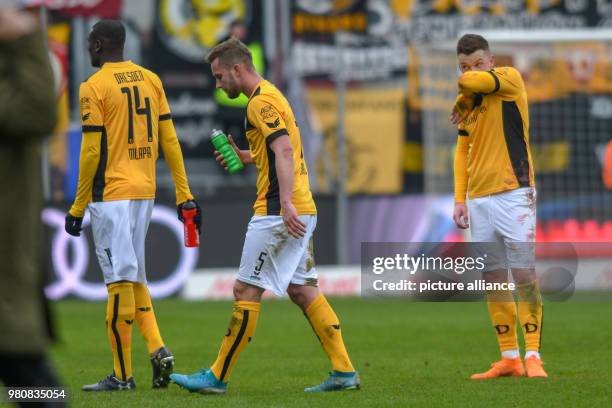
[302, 295]
[524, 275]
[239, 292]
[246, 292]
[296, 294]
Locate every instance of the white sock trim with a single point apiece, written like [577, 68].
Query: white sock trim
[530, 353]
[511, 354]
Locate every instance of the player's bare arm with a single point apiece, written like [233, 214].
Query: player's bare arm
[244, 155]
[283, 153]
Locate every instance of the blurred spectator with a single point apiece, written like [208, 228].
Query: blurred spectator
[27, 114]
[239, 30]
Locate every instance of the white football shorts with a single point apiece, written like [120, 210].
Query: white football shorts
[272, 259]
[508, 220]
[119, 230]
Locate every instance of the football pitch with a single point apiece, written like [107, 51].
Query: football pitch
[408, 354]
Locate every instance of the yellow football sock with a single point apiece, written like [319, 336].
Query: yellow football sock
[145, 317]
[531, 312]
[326, 326]
[119, 320]
[502, 310]
[239, 333]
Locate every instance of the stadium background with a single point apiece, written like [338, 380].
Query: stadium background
[388, 68]
[378, 76]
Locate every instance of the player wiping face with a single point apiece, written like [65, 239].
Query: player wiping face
[479, 60]
[493, 168]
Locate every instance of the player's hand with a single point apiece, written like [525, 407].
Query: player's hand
[461, 109]
[73, 225]
[460, 216]
[295, 226]
[197, 220]
[455, 116]
[15, 23]
[243, 155]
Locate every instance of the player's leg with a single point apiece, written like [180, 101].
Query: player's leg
[162, 360]
[112, 236]
[500, 304]
[531, 314]
[305, 293]
[241, 329]
[256, 273]
[239, 334]
[502, 311]
[145, 318]
[119, 320]
[517, 222]
[326, 326]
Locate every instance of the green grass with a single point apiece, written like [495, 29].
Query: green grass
[408, 354]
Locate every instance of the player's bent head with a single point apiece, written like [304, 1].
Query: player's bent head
[230, 53]
[469, 43]
[106, 37]
[473, 53]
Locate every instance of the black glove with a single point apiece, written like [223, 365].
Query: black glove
[197, 220]
[73, 225]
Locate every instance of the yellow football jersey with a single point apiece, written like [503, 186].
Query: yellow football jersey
[268, 117]
[497, 132]
[125, 116]
[125, 102]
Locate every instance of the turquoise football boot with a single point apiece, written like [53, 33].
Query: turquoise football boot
[204, 382]
[337, 381]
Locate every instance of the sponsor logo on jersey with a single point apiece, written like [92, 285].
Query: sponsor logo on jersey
[85, 103]
[268, 112]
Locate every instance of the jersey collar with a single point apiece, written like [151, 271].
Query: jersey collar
[255, 91]
[117, 64]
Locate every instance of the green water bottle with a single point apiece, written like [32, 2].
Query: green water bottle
[223, 146]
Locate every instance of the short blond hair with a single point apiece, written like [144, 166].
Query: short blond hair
[230, 52]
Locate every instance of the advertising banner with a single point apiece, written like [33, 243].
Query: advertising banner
[374, 127]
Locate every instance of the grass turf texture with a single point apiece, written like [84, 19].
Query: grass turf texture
[408, 354]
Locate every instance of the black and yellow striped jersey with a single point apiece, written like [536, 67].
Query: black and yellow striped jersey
[496, 132]
[268, 117]
[124, 107]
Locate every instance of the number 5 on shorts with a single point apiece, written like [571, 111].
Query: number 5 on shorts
[261, 261]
